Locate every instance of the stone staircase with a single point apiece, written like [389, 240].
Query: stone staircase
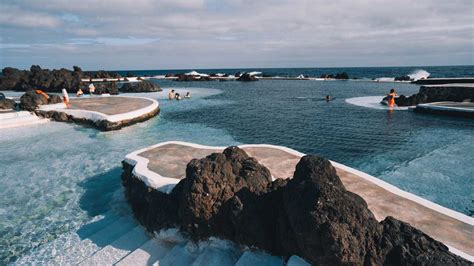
[113, 239]
[12, 119]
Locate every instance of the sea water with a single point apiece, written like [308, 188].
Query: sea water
[57, 177]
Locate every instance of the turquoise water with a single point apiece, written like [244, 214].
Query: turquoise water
[57, 177]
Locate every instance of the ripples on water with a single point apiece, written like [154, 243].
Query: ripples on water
[59, 176]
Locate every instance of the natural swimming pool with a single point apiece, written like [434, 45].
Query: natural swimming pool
[56, 177]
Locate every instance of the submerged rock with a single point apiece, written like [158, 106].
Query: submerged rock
[143, 86]
[230, 195]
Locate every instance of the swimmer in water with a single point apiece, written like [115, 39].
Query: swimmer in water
[391, 98]
[188, 95]
[328, 98]
[171, 95]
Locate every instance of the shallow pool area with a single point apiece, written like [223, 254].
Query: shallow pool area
[57, 177]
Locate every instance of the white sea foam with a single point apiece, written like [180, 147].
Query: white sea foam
[384, 79]
[419, 74]
[372, 102]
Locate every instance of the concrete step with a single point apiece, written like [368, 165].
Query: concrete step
[250, 258]
[21, 120]
[118, 249]
[44, 253]
[148, 253]
[180, 254]
[95, 242]
[5, 115]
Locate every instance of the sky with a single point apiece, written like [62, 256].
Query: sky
[197, 34]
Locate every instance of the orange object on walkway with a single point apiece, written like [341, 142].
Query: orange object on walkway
[42, 93]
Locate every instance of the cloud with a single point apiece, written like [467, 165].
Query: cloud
[17, 17]
[237, 32]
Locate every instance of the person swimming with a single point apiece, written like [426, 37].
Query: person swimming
[177, 97]
[171, 95]
[328, 98]
[391, 98]
[188, 95]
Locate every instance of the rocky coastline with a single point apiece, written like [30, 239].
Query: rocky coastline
[57, 79]
[438, 93]
[232, 196]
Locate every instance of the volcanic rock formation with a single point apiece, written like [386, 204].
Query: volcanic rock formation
[312, 215]
[143, 86]
[31, 100]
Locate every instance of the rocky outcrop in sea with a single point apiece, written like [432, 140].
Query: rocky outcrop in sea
[232, 196]
[144, 86]
[247, 77]
[341, 76]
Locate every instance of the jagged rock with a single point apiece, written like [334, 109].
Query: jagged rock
[230, 195]
[31, 100]
[212, 181]
[6, 104]
[247, 77]
[402, 244]
[103, 87]
[144, 86]
[38, 78]
[438, 93]
[102, 74]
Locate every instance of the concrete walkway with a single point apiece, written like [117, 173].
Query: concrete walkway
[453, 229]
[109, 105]
[103, 112]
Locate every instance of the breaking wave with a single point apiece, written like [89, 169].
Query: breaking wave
[419, 74]
[413, 76]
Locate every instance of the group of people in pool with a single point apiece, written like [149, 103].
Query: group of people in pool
[172, 95]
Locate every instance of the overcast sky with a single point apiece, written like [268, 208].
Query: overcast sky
[167, 34]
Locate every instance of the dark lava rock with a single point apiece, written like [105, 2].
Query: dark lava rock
[144, 86]
[6, 104]
[342, 75]
[403, 78]
[102, 74]
[230, 195]
[31, 100]
[38, 78]
[247, 77]
[438, 93]
[102, 88]
[402, 244]
[212, 181]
